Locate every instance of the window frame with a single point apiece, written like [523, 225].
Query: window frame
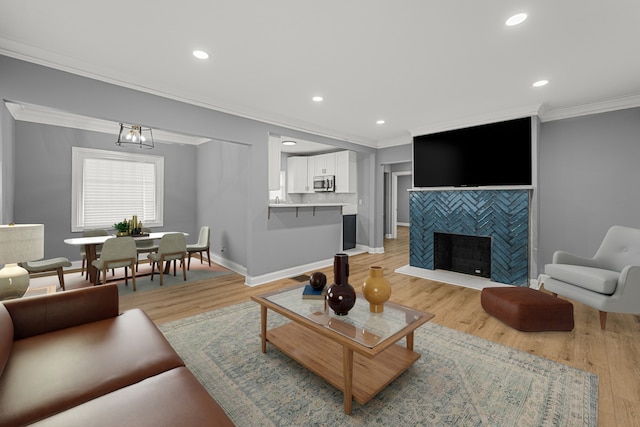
[79, 154]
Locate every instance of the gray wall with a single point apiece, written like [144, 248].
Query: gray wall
[43, 180]
[588, 180]
[228, 175]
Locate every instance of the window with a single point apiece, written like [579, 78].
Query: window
[108, 186]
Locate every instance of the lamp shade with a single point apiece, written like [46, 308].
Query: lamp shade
[21, 242]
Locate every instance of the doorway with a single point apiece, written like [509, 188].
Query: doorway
[393, 232]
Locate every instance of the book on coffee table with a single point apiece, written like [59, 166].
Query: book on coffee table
[310, 293]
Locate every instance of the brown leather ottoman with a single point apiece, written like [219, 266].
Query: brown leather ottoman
[527, 309]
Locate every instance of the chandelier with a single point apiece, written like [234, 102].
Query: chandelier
[135, 136]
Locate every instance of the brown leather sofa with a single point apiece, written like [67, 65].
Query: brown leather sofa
[71, 359]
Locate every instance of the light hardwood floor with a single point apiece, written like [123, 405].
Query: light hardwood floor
[614, 354]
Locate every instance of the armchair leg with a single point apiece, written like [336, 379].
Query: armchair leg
[61, 277]
[603, 320]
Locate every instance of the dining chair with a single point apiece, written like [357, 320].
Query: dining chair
[145, 246]
[201, 246]
[172, 247]
[90, 233]
[118, 252]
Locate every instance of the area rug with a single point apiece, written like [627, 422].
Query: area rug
[460, 380]
[75, 280]
[144, 283]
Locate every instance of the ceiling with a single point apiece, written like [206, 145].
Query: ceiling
[420, 65]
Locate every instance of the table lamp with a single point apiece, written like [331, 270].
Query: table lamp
[18, 243]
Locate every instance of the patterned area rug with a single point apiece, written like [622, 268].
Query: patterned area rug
[75, 280]
[460, 380]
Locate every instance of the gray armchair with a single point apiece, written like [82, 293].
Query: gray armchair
[609, 282]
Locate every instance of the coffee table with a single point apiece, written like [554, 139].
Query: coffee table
[358, 353]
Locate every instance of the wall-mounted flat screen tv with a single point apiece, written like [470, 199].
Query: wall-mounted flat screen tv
[495, 154]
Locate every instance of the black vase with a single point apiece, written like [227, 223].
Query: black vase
[341, 297]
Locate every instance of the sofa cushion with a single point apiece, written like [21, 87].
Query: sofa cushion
[594, 279]
[52, 372]
[6, 336]
[172, 398]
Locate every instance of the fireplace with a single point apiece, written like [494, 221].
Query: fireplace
[502, 215]
[462, 254]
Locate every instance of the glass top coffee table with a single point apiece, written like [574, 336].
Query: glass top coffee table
[358, 353]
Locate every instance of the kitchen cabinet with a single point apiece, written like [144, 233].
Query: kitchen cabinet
[324, 164]
[346, 172]
[299, 180]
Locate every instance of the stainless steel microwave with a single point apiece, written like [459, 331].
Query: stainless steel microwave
[324, 183]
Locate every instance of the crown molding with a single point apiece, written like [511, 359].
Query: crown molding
[621, 103]
[42, 115]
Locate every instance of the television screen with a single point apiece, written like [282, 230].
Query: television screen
[488, 155]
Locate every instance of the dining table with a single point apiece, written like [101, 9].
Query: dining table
[90, 244]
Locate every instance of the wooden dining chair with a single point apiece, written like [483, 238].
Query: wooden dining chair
[118, 252]
[201, 246]
[172, 247]
[145, 246]
[83, 255]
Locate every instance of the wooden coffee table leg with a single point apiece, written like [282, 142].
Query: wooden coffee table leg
[410, 341]
[263, 327]
[347, 371]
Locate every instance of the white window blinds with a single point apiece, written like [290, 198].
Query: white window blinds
[111, 186]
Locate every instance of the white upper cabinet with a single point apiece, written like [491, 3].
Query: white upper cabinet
[342, 164]
[298, 176]
[346, 172]
[325, 164]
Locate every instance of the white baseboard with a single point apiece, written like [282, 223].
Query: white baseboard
[300, 269]
[288, 272]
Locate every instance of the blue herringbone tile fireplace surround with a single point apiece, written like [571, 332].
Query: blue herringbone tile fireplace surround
[502, 215]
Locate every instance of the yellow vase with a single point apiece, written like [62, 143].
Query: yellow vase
[376, 289]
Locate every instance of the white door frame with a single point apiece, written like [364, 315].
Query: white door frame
[394, 202]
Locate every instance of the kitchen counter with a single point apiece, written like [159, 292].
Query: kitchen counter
[303, 205]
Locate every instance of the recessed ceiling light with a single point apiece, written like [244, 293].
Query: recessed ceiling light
[288, 142]
[516, 19]
[317, 98]
[380, 122]
[200, 54]
[540, 83]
